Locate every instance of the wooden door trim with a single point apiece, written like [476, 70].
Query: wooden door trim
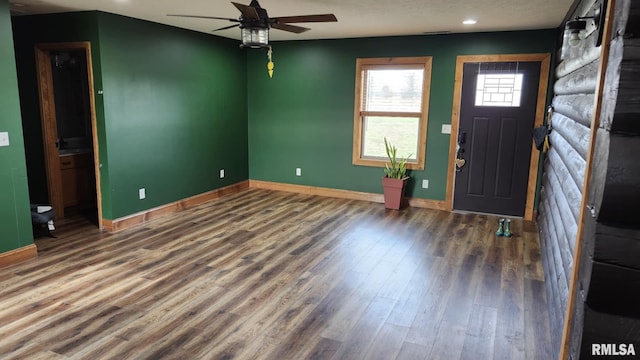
[545, 62]
[49, 129]
[48, 120]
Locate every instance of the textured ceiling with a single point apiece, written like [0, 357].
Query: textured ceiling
[356, 18]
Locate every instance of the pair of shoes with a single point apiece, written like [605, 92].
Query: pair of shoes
[504, 228]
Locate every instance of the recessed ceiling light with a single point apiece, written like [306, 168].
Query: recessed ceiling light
[470, 22]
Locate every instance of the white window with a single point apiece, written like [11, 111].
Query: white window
[391, 101]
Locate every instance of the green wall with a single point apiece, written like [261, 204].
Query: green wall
[172, 112]
[175, 112]
[15, 216]
[303, 116]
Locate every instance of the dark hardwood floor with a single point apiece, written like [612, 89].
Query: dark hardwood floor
[274, 275]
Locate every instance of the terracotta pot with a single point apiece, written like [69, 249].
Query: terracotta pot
[393, 191]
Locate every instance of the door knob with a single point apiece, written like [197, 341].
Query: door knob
[462, 138]
[460, 161]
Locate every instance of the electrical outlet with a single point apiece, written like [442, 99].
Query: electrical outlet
[425, 184]
[4, 139]
[142, 193]
[298, 172]
[446, 128]
[221, 173]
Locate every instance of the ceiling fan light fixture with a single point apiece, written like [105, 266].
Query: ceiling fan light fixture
[254, 23]
[254, 37]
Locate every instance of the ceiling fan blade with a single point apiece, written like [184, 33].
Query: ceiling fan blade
[227, 27]
[306, 18]
[204, 17]
[290, 28]
[248, 12]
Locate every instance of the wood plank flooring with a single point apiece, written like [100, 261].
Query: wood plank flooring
[274, 275]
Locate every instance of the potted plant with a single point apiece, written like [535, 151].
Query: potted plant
[395, 178]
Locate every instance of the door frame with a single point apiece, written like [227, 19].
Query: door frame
[49, 125]
[545, 62]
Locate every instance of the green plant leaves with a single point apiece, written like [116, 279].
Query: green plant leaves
[395, 169]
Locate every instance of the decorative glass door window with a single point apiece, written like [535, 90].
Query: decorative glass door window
[499, 89]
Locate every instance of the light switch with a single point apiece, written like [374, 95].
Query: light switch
[4, 139]
[446, 128]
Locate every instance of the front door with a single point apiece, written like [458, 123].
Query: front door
[497, 114]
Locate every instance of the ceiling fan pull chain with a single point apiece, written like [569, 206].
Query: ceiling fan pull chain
[270, 63]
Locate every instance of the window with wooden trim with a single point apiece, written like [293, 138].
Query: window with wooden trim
[392, 101]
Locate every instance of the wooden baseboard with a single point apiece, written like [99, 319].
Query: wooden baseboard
[314, 190]
[429, 204]
[18, 255]
[144, 216]
[343, 194]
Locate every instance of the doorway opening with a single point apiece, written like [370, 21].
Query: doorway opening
[498, 100]
[67, 109]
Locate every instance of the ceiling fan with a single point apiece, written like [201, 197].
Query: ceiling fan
[254, 23]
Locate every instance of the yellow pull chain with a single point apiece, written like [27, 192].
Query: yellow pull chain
[270, 63]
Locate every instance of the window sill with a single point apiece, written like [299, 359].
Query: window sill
[380, 163]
